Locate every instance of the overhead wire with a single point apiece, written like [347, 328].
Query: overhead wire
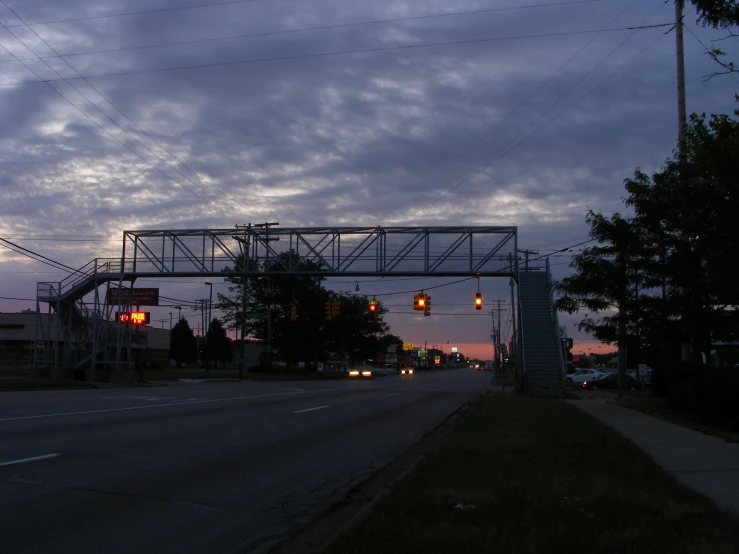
[514, 145]
[476, 144]
[307, 29]
[325, 54]
[230, 2]
[119, 111]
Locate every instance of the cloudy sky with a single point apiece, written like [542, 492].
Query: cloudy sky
[141, 114]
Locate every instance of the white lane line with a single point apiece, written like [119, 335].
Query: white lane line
[310, 409]
[30, 460]
[392, 394]
[150, 406]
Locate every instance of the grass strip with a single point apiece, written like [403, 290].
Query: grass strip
[533, 476]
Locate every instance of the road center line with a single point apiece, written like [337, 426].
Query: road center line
[29, 460]
[392, 394]
[149, 407]
[310, 409]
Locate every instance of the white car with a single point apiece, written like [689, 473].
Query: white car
[582, 375]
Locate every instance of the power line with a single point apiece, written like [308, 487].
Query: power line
[124, 14]
[105, 130]
[306, 29]
[710, 53]
[515, 145]
[324, 54]
[117, 109]
[13, 298]
[520, 105]
[416, 290]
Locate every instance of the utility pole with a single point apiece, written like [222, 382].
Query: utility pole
[494, 336]
[526, 254]
[246, 244]
[514, 338]
[682, 118]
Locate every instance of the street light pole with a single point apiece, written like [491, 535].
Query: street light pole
[170, 321]
[207, 324]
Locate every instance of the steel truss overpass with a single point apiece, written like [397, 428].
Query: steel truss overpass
[88, 337]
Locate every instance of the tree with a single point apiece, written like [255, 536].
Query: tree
[664, 276]
[355, 334]
[693, 206]
[605, 278]
[717, 13]
[183, 346]
[295, 340]
[218, 345]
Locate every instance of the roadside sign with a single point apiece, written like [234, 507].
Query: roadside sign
[454, 350]
[137, 297]
[407, 346]
[392, 349]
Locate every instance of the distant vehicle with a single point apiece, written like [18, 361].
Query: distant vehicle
[361, 372]
[610, 381]
[582, 375]
[407, 371]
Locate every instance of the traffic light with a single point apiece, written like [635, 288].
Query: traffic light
[426, 305]
[419, 301]
[328, 309]
[478, 301]
[570, 343]
[293, 313]
[373, 308]
[335, 308]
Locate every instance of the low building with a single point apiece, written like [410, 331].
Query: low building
[19, 338]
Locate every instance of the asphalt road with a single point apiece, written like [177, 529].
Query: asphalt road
[201, 467]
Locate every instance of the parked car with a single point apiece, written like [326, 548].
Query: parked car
[582, 375]
[610, 381]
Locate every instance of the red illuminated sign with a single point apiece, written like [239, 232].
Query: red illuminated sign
[135, 318]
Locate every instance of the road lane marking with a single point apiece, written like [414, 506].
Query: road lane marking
[310, 409]
[150, 406]
[29, 460]
[392, 394]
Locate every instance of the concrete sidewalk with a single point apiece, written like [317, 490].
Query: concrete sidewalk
[706, 464]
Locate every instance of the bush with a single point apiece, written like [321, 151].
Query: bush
[717, 398]
[667, 376]
[709, 394]
[681, 398]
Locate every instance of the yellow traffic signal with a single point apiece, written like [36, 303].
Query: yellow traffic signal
[478, 301]
[426, 305]
[293, 313]
[328, 309]
[335, 308]
[419, 301]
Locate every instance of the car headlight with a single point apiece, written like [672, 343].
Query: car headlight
[410, 371]
[366, 373]
[354, 373]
